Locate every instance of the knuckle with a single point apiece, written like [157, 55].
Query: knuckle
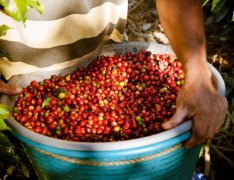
[220, 106]
[206, 111]
[204, 135]
[223, 103]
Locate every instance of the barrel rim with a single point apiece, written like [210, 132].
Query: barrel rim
[98, 146]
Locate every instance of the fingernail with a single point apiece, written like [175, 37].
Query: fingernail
[166, 126]
[19, 89]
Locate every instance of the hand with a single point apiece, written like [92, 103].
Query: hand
[199, 100]
[9, 89]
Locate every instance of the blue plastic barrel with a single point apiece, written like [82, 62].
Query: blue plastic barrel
[159, 156]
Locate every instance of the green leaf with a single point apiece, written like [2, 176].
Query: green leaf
[214, 4]
[4, 114]
[3, 29]
[3, 4]
[5, 142]
[219, 6]
[221, 14]
[21, 10]
[201, 152]
[7, 150]
[13, 154]
[3, 125]
[4, 111]
[11, 170]
[46, 102]
[16, 10]
[35, 4]
[24, 169]
[6, 107]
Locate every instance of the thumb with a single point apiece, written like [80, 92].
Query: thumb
[176, 119]
[9, 89]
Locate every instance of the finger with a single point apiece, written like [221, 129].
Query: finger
[192, 142]
[200, 131]
[9, 89]
[176, 119]
[222, 116]
[196, 139]
[204, 132]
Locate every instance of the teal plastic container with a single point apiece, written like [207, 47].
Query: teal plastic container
[159, 156]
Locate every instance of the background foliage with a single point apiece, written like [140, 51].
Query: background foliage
[221, 9]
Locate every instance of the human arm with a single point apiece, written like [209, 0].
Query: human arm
[9, 89]
[199, 99]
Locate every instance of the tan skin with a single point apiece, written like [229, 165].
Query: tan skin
[198, 100]
[9, 89]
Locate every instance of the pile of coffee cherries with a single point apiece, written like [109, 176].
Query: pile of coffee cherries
[115, 98]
